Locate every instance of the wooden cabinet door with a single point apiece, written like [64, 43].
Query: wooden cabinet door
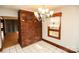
[30, 29]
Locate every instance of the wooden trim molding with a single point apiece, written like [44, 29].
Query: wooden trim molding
[0, 49]
[59, 46]
[57, 31]
[1, 46]
[57, 14]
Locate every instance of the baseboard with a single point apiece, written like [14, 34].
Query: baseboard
[59, 46]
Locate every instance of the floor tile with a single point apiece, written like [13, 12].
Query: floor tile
[39, 47]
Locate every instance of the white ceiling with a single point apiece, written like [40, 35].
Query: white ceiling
[29, 7]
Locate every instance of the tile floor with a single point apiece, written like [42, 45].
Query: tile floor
[39, 47]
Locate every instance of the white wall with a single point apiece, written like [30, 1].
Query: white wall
[69, 28]
[8, 12]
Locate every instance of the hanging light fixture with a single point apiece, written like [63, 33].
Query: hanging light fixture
[43, 13]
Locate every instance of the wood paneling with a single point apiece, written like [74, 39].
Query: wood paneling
[58, 46]
[30, 29]
[10, 39]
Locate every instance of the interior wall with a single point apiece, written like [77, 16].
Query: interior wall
[69, 28]
[8, 12]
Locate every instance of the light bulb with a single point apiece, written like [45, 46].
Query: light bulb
[36, 14]
[48, 15]
[46, 10]
[51, 12]
[39, 9]
[42, 11]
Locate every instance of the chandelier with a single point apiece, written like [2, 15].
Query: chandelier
[43, 13]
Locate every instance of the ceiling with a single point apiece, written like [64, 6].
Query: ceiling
[29, 7]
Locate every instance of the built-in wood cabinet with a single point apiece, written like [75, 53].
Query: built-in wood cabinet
[30, 29]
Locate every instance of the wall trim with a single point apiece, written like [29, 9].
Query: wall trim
[59, 46]
[1, 49]
[1, 46]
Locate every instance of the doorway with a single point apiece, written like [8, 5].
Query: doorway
[10, 32]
